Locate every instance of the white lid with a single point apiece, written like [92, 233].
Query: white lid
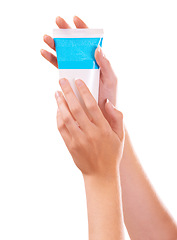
[78, 33]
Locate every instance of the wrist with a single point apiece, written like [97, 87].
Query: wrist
[104, 206]
[102, 178]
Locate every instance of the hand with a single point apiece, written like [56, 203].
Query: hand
[95, 147]
[108, 79]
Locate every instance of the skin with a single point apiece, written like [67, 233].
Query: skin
[98, 161]
[83, 139]
[145, 216]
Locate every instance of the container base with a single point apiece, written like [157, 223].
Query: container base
[90, 76]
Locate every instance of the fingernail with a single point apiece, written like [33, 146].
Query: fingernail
[58, 17]
[112, 106]
[62, 81]
[45, 36]
[56, 94]
[79, 82]
[59, 94]
[100, 51]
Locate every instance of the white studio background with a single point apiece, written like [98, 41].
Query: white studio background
[42, 193]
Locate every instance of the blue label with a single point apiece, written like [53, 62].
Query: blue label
[77, 53]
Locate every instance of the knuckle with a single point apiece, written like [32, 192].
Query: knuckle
[121, 116]
[74, 147]
[105, 132]
[58, 112]
[76, 110]
[92, 106]
[90, 138]
[115, 79]
[60, 126]
[66, 119]
[60, 123]
[113, 83]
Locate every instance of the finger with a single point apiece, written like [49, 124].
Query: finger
[90, 102]
[107, 74]
[49, 41]
[116, 119]
[68, 120]
[79, 23]
[62, 128]
[49, 57]
[74, 105]
[61, 23]
[64, 101]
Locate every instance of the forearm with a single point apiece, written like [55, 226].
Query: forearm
[104, 208]
[145, 216]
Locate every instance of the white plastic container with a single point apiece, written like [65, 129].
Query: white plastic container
[75, 50]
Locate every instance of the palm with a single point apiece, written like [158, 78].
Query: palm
[107, 86]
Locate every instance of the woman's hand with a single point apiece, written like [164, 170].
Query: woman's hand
[108, 79]
[96, 148]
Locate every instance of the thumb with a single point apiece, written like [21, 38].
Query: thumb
[115, 119]
[104, 64]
